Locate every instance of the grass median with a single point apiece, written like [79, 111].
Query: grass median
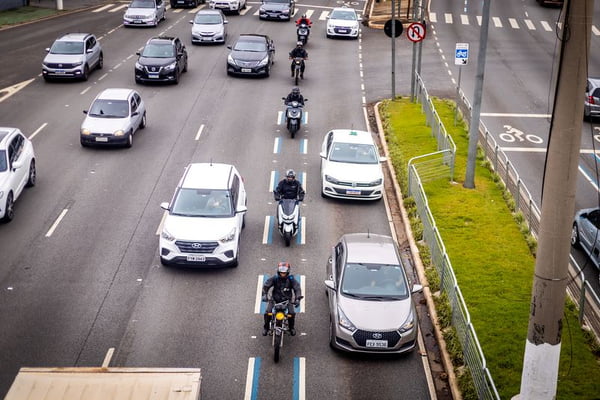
[492, 258]
[24, 14]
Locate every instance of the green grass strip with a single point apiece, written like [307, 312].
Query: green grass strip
[24, 14]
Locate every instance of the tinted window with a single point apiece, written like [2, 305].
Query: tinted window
[142, 4]
[374, 280]
[3, 161]
[353, 153]
[61, 47]
[109, 109]
[243, 45]
[158, 50]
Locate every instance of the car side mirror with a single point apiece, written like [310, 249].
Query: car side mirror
[192, 22]
[330, 284]
[85, 111]
[305, 100]
[47, 49]
[323, 154]
[164, 206]
[417, 289]
[133, 114]
[225, 22]
[241, 209]
[229, 46]
[137, 53]
[382, 159]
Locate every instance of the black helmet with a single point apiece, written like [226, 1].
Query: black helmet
[299, 43]
[290, 173]
[283, 269]
[295, 90]
[303, 16]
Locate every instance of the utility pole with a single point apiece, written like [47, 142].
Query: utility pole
[394, 49]
[542, 349]
[476, 113]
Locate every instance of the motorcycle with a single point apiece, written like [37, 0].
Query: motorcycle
[297, 65]
[288, 216]
[302, 31]
[293, 116]
[279, 325]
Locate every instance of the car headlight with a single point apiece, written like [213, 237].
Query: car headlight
[229, 237]
[171, 66]
[85, 131]
[345, 322]
[376, 182]
[285, 11]
[264, 61]
[138, 65]
[77, 64]
[120, 132]
[230, 60]
[331, 179]
[409, 324]
[167, 236]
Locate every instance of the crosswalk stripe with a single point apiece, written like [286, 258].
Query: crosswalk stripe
[595, 30]
[448, 18]
[309, 13]
[546, 26]
[118, 8]
[256, 12]
[195, 10]
[248, 8]
[479, 19]
[464, 19]
[530, 25]
[177, 10]
[513, 23]
[323, 15]
[103, 8]
[432, 17]
[497, 22]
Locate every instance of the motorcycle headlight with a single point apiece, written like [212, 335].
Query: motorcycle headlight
[263, 62]
[376, 182]
[279, 316]
[409, 324]
[229, 237]
[331, 179]
[345, 322]
[167, 236]
[171, 66]
[85, 131]
[120, 132]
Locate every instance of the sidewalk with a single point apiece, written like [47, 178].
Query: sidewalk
[379, 11]
[69, 5]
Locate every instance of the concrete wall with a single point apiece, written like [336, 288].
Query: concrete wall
[10, 4]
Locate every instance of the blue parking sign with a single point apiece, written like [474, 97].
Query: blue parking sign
[461, 55]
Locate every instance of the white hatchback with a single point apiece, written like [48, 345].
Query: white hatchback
[343, 22]
[17, 169]
[205, 217]
[351, 166]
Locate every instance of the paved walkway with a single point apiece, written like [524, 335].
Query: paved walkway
[379, 11]
[68, 4]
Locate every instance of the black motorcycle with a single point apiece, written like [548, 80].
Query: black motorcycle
[279, 325]
[302, 31]
[297, 66]
[293, 116]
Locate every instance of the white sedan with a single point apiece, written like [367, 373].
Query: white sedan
[351, 166]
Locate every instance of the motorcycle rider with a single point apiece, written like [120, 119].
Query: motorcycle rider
[285, 286]
[289, 187]
[299, 52]
[295, 95]
[304, 20]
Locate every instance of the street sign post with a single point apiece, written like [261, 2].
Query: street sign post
[415, 32]
[461, 54]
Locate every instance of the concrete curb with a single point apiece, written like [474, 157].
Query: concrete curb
[447, 362]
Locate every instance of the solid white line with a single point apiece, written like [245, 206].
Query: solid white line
[301, 378]
[199, 132]
[530, 25]
[303, 232]
[38, 130]
[271, 182]
[55, 224]
[425, 361]
[108, 357]
[513, 23]
[497, 22]
[249, 379]
[103, 8]
[516, 115]
[546, 26]
[258, 300]
[523, 149]
[266, 229]
[162, 222]
[464, 19]
[84, 91]
[118, 8]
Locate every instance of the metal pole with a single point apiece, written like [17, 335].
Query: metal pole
[414, 63]
[457, 95]
[475, 115]
[421, 18]
[393, 49]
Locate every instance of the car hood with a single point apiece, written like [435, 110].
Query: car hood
[63, 58]
[146, 12]
[248, 55]
[105, 125]
[156, 61]
[207, 28]
[198, 228]
[375, 315]
[353, 172]
[275, 6]
[343, 23]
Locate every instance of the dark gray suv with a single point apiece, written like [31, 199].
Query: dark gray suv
[73, 55]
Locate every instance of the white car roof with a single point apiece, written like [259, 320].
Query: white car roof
[207, 176]
[352, 136]
[115, 94]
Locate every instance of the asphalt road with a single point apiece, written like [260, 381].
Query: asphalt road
[95, 281]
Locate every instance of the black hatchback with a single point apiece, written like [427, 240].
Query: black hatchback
[251, 55]
[163, 59]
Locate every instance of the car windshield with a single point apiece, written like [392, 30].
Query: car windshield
[103, 108]
[277, 1]
[202, 203]
[208, 19]
[142, 4]
[3, 163]
[156, 50]
[374, 281]
[243, 45]
[62, 47]
[343, 14]
[353, 153]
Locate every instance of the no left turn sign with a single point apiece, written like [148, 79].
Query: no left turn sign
[415, 32]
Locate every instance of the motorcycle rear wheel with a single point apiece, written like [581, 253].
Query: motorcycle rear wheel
[287, 236]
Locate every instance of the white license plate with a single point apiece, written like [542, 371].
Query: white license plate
[153, 76]
[101, 139]
[196, 258]
[138, 21]
[342, 31]
[59, 71]
[246, 70]
[377, 343]
[353, 191]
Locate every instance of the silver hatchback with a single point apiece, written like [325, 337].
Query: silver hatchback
[371, 309]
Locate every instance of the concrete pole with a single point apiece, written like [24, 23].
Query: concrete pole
[394, 49]
[59, 5]
[476, 112]
[542, 349]
[421, 18]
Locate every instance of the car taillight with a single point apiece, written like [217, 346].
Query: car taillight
[591, 99]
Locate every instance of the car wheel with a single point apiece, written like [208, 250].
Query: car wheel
[268, 71]
[185, 66]
[86, 73]
[129, 140]
[235, 262]
[244, 7]
[331, 334]
[177, 73]
[32, 175]
[83, 144]
[9, 211]
[143, 123]
[575, 236]
[100, 61]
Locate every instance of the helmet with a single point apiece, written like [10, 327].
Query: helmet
[299, 43]
[283, 269]
[303, 16]
[290, 173]
[295, 90]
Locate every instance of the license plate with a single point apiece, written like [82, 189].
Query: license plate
[196, 258]
[101, 139]
[377, 343]
[137, 21]
[153, 76]
[59, 71]
[343, 31]
[246, 70]
[353, 191]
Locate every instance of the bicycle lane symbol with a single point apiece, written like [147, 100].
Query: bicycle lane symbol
[511, 135]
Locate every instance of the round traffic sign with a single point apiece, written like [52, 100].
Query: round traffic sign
[387, 28]
[415, 32]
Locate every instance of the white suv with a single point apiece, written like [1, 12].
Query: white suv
[228, 5]
[73, 55]
[17, 169]
[205, 217]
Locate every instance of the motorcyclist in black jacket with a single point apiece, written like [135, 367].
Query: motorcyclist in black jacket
[300, 52]
[289, 187]
[295, 95]
[285, 287]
